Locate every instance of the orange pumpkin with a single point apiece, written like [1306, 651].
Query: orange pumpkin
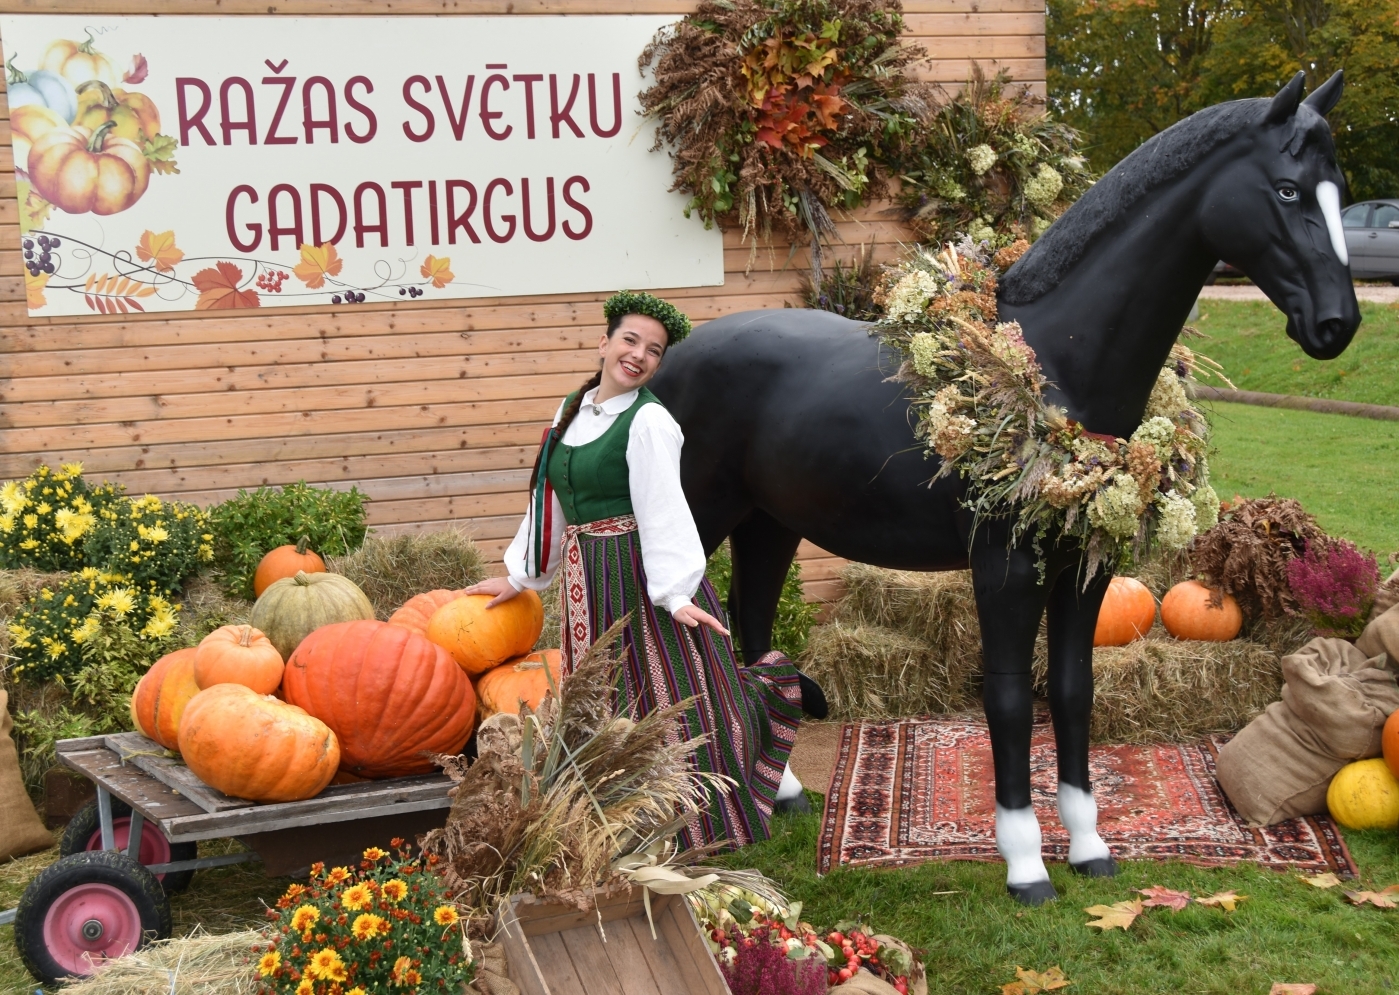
[238, 654]
[1390, 741]
[1127, 613]
[480, 638]
[253, 746]
[78, 62]
[388, 694]
[1187, 614]
[522, 679]
[135, 114]
[419, 609]
[159, 701]
[286, 561]
[80, 170]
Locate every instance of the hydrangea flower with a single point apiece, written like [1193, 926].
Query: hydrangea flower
[1156, 431]
[1042, 188]
[1117, 508]
[981, 158]
[1206, 503]
[909, 298]
[1176, 524]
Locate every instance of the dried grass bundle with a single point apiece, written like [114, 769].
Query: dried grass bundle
[582, 789]
[205, 606]
[1247, 553]
[199, 964]
[392, 569]
[870, 672]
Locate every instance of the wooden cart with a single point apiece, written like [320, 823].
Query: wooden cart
[138, 842]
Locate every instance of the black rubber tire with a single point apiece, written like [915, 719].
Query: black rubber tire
[88, 867]
[81, 827]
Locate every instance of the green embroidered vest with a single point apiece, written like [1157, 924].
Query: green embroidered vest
[592, 481]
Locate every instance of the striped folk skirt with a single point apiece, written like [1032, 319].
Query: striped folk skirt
[748, 714]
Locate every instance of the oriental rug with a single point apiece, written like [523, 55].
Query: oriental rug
[909, 791]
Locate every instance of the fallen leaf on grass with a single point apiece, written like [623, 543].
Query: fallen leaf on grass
[1226, 900]
[1159, 897]
[1279, 988]
[1327, 880]
[1033, 981]
[317, 263]
[1384, 899]
[1118, 915]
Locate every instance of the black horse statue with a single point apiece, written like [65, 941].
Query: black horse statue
[793, 428]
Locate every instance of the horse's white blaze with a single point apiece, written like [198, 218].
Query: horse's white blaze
[1330, 200]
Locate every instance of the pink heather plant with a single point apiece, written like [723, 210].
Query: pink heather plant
[765, 969]
[1334, 585]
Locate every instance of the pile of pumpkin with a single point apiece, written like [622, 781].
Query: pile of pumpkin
[1188, 611]
[316, 690]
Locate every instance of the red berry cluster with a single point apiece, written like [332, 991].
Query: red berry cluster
[859, 951]
[271, 281]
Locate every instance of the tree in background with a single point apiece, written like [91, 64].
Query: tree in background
[1122, 70]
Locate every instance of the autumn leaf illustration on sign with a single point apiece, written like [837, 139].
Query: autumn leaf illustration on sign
[438, 271]
[1226, 900]
[1035, 981]
[110, 294]
[218, 289]
[159, 248]
[34, 290]
[1159, 897]
[1387, 898]
[317, 263]
[1119, 915]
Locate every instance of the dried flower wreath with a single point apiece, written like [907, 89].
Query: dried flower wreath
[980, 393]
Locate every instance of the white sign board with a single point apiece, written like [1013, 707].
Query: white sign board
[183, 163]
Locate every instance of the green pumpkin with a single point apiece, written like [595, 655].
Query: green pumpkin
[294, 607]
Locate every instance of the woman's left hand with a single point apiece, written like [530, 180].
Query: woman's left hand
[694, 616]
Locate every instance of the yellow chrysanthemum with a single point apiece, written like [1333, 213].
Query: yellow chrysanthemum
[44, 508]
[71, 469]
[374, 853]
[12, 498]
[401, 969]
[394, 890]
[445, 915]
[31, 520]
[357, 897]
[305, 987]
[367, 926]
[269, 963]
[161, 624]
[87, 630]
[337, 875]
[155, 533]
[120, 600]
[29, 544]
[325, 964]
[305, 917]
[357, 990]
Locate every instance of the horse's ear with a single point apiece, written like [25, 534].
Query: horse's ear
[1328, 94]
[1285, 103]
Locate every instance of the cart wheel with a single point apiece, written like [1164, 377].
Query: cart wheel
[87, 908]
[84, 832]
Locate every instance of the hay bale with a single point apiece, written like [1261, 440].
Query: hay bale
[551, 638]
[871, 672]
[937, 608]
[206, 606]
[17, 587]
[392, 569]
[199, 964]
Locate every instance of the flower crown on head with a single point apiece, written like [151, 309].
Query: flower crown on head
[677, 326]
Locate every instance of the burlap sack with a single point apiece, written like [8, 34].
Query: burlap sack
[1386, 597]
[21, 830]
[492, 973]
[1334, 705]
[1381, 636]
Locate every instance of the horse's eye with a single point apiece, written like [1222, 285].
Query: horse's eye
[1288, 194]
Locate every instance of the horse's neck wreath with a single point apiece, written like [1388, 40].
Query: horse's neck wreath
[980, 393]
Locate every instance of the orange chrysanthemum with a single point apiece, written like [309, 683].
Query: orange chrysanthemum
[445, 915]
[367, 926]
[326, 964]
[305, 917]
[338, 875]
[269, 963]
[374, 853]
[394, 890]
[357, 897]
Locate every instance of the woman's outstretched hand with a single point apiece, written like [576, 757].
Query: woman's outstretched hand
[500, 590]
[693, 616]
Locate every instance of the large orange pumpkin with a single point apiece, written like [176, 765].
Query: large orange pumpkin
[286, 561]
[388, 693]
[238, 654]
[294, 607]
[1390, 741]
[419, 609]
[1127, 613]
[522, 679]
[80, 170]
[480, 638]
[254, 746]
[159, 701]
[1186, 613]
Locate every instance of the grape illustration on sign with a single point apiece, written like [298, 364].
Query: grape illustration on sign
[395, 159]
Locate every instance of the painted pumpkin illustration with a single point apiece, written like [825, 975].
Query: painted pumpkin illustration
[80, 170]
[135, 115]
[42, 88]
[78, 62]
[27, 125]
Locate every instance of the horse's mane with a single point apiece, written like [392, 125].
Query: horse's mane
[1160, 158]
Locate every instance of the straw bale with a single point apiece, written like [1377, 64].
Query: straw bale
[205, 606]
[392, 569]
[551, 636]
[872, 672]
[199, 964]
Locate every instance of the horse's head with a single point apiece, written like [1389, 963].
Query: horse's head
[1275, 213]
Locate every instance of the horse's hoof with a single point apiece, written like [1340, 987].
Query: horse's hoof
[1035, 893]
[813, 698]
[1100, 867]
[796, 805]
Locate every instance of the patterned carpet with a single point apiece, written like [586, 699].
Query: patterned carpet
[914, 790]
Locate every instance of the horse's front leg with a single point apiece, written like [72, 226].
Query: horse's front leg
[1010, 598]
[1073, 615]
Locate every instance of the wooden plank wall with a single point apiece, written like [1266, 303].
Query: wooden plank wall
[430, 409]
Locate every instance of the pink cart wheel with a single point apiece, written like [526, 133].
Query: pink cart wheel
[155, 848]
[90, 924]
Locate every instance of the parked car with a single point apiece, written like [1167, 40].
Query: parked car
[1372, 239]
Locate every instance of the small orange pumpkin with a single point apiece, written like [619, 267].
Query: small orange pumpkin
[522, 679]
[1187, 614]
[286, 561]
[80, 170]
[254, 746]
[1128, 611]
[480, 638]
[158, 703]
[238, 654]
[1390, 741]
[419, 609]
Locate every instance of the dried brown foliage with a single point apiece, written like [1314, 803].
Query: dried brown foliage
[1246, 554]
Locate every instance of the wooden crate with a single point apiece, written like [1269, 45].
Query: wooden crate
[554, 949]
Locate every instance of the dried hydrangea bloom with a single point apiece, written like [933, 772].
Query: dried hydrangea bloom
[1168, 398]
[1117, 508]
[1176, 522]
[981, 158]
[1206, 503]
[909, 299]
[1042, 188]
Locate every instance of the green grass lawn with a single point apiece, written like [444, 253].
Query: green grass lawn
[1249, 339]
[1344, 470]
